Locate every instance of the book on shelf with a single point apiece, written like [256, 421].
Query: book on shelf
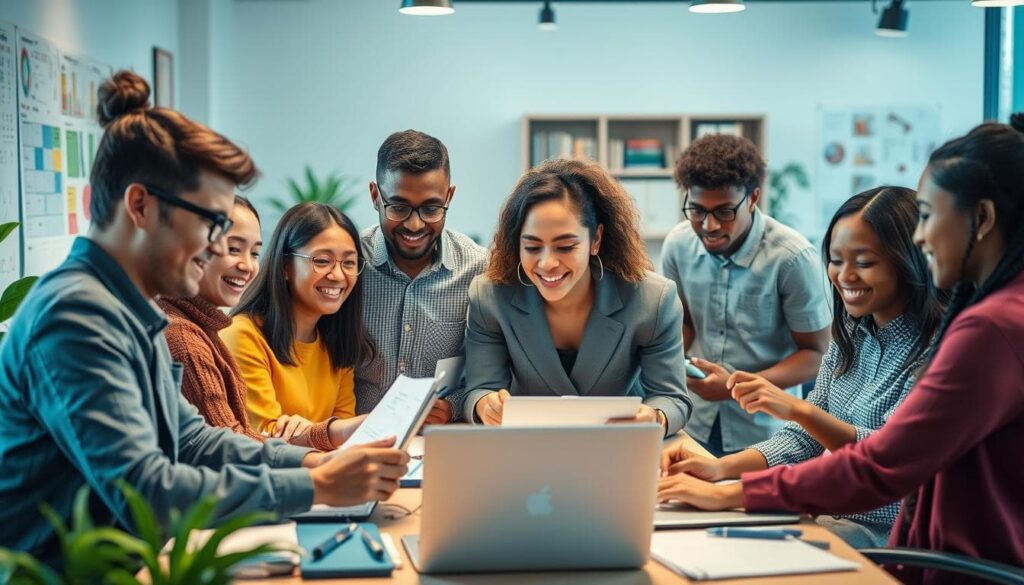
[702, 129]
[560, 144]
[644, 153]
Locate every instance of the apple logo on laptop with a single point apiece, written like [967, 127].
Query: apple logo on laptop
[538, 503]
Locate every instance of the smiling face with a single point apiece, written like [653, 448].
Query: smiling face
[722, 237]
[555, 250]
[177, 241]
[413, 239]
[942, 233]
[865, 278]
[227, 276]
[317, 294]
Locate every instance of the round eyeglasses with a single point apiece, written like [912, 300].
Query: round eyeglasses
[324, 264]
[723, 214]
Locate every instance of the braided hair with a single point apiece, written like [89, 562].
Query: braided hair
[987, 163]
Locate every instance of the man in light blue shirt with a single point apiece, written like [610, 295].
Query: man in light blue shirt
[752, 290]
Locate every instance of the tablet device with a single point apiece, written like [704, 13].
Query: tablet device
[562, 411]
[400, 413]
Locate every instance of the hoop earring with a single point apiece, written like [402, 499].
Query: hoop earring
[600, 265]
[519, 268]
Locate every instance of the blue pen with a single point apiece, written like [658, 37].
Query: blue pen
[325, 547]
[769, 534]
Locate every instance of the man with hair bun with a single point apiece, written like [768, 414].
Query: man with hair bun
[87, 384]
[752, 290]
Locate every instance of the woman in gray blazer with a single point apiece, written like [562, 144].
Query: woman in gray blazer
[569, 306]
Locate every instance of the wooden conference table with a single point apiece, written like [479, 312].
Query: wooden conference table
[653, 573]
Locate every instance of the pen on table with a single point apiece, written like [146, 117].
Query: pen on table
[325, 547]
[375, 548]
[769, 534]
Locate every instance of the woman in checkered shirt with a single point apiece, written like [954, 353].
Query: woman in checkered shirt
[886, 313]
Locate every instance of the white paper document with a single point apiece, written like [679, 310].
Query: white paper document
[448, 373]
[697, 555]
[398, 414]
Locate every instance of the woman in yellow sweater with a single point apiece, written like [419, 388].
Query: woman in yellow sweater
[298, 331]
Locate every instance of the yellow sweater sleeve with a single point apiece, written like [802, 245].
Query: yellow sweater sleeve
[255, 360]
[345, 407]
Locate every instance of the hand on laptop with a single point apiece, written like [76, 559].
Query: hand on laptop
[341, 429]
[676, 459]
[440, 413]
[713, 387]
[699, 493]
[644, 414]
[360, 474]
[489, 408]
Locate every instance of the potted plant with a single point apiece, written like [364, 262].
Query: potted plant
[336, 189]
[779, 183]
[108, 555]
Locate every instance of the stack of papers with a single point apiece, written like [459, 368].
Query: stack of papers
[697, 555]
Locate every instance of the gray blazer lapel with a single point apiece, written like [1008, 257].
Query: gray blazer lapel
[601, 336]
[530, 325]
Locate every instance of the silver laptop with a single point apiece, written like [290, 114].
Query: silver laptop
[534, 499]
[565, 411]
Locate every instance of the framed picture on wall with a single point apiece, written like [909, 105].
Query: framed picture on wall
[163, 78]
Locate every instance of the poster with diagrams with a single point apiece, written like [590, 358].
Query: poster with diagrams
[80, 78]
[867, 147]
[59, 136]
[10, 249]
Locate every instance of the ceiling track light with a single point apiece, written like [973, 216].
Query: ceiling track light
[547, 17]
[996, 3]
[894, 20]
[426, 7]
[718, 6]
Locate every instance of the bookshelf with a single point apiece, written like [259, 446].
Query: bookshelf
[639, 150]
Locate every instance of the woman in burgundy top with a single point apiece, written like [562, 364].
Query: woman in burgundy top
[952, 450]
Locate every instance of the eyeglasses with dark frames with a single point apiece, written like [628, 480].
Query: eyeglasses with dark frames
[724, 213]
[402, 211]
[324, 263]
[219, 223]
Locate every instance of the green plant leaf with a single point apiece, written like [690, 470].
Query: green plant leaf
[21, 568]
[206, 554]
[298, 195]
[6, 229]
[196, 518]
[311, 182]
[81, 521]
[14, 294]
[55, 520]
[146, 523]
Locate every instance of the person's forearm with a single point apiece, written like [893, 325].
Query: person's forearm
[746, 460]
[799, 367]
[828, 430]
[688, 335]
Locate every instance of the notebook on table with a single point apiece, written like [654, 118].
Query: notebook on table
[351, 559]
[668, 516]
[697, 555]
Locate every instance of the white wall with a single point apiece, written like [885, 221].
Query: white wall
[120, 33]
[325, 81]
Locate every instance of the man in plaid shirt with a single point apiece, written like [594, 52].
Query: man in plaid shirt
[417, 272]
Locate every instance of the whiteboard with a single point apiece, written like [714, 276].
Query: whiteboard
[58, 137]
[866, 147]
[10, 249]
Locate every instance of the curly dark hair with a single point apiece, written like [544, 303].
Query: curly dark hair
[595, 195]
[720, 160]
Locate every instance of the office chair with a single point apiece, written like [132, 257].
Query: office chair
[943, 561]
